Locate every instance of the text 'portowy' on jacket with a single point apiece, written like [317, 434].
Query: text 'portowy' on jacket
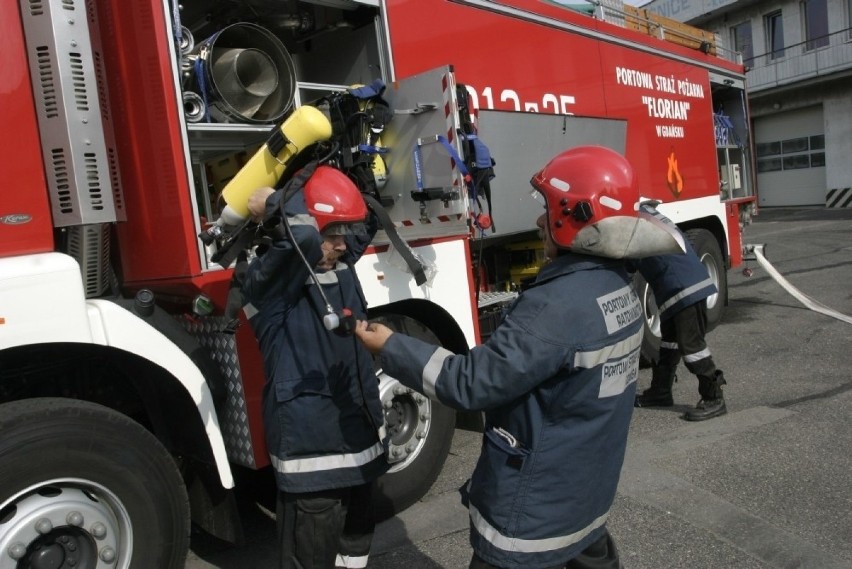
[678, 281]
[321, 408]
[556, 380]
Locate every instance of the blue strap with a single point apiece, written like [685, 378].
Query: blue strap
[418, 167]
[482, 153]
[372, 149]
[374, 89]
[461, 166]
[202, 85]
[177, 30]
[455, 156]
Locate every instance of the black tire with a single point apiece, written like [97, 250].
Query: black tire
[651, 323]
[95, 480]
[411, 477]
[708, 250]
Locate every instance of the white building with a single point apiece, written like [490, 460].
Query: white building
[799, 59]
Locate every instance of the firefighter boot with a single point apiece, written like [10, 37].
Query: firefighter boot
[660, 392]
[712, 404]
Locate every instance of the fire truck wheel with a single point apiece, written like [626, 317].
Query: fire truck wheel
[708, 251]
[420, 432]
[82, 485]
[652, 334]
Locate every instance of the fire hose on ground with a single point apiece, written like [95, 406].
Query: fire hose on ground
[810, 303]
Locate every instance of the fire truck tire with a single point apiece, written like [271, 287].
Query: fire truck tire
[652, 334]
[81, 482]
[420, 431]
[707, 248]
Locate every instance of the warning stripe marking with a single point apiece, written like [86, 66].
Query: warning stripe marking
[839, 197]
[427, 221]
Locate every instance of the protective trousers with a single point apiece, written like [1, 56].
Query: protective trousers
[683, 336]
[601, 554]
[325, 529]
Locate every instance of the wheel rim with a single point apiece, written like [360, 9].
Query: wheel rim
[713, 270]
[63, 524]
[652, 312]
[408, 416]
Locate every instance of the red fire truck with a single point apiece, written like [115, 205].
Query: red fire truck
[127, 408]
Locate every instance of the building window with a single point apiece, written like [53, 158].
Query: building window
[768, 165]
[849, 17]
[768, 148]
[791, 154]
[815, 17]
[774, 35]
[741, 38]
[794, 145]
[797, 162]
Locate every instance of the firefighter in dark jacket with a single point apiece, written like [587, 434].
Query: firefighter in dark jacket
[556, 379]
[321, 409]
[681, 286]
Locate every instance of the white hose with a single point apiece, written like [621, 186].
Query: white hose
[796, 293]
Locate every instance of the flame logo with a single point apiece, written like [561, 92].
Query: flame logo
[673, 178]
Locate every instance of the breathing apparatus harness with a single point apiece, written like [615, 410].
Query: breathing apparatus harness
[478, 161]
[358, 116]
[479, 166]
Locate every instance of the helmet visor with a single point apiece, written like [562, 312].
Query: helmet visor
[358, 229]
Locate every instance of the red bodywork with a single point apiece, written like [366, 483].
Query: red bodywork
[26, 225]
[512, 64]
[159, 240]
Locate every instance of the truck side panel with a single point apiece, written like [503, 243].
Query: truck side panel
[159, 238]
[666, 100]
[25, 220]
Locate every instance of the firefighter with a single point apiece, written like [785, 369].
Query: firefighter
[681, 286]
[321, 409]
[556, 379]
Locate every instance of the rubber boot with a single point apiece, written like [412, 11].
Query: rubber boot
[712, 403]
[660, 392]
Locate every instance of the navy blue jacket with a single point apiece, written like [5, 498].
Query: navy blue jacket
[556, 380]
[321, 408]
[678, 281]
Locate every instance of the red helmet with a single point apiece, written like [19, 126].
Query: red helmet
[591, 197]
[334, 200]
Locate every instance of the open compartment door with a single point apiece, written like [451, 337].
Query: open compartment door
[429, 200]
[521, 144]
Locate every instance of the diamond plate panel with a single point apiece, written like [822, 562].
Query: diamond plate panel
[233, 414]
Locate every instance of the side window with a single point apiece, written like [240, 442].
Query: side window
[815, 18]
[849, 17]
[741, 39]
[774, 35]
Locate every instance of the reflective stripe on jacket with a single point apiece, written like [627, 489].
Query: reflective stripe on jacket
[557, 381]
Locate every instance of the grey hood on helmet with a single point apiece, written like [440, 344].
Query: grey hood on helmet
[627, 237]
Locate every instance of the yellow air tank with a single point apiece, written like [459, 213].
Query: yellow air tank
[304, 127]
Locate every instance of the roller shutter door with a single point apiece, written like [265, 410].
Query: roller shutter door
[790, 150]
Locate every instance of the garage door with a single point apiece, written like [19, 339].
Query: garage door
[790, 149]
